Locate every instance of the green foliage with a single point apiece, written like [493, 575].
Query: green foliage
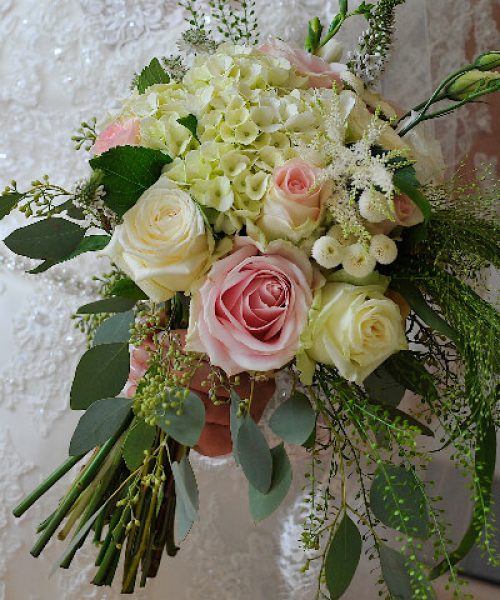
[294, 420]
[186, 490]
[101, 373]
[115, 329]
[235, 421]
[383, 388]
[107, 305]
[50, 239]
[237, 22]
[152, 74]
[406, 181]
[8, 201]
[128, 171]
[126, 288]
[191, 123]
[184, 421]
[395, 572]
[101, 421]
[254, 455]
[262, 505]
[91, 243]
[342, 558]
[86, 135]
[139, 439]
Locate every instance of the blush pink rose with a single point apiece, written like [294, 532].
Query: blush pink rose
[407, 212]
[117, 134]
[250, 312]
[319, 73]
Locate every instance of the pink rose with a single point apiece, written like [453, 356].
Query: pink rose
[407, 212]
[117, 134]
[293, 204]
[320, 74]
[250, 312]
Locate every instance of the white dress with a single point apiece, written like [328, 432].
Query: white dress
[63, 61]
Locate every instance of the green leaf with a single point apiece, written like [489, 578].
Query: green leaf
[419, 305]
[235, 422]
[411, 372]
[100, 422]
[152, 74]
[406, 181]
[397, 499]
[485, 460]
[91, 243]
[342, 558]
[190, 122]
[395, 573]
[262, 505]
[126, 288]
[115, 329]
[186, 488]
[128, 171]
[107, 305]
[294, 420]
[183, 523]
[184, 428]
[101, 373]
[51, 239]
[8, 202]
[383, 388]
[254, 455]
[140, 438]
[398, 416]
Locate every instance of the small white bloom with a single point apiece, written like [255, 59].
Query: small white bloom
[373, 206]
[337, 233]
[327, 252]
[357, 261]
[383, 249]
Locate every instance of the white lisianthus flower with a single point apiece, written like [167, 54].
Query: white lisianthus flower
[355, 329]
[357, 261]
[327, 252]
[383, 249]
[162, 243]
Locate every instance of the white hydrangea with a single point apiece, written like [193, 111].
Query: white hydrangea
[357, 261]
[383, 249]
[327, 252]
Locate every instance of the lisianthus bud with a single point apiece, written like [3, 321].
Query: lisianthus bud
[473, 82]
[488, 60]
[332, 51]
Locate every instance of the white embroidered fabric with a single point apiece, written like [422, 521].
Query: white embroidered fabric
[63, 61]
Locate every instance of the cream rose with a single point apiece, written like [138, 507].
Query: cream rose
[355, 329]
[162, 243]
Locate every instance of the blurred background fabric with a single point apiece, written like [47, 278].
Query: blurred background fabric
[64, 61]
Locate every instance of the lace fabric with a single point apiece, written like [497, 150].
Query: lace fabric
[66, 60]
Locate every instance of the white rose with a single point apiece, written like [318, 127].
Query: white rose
[356, 328]
[162, 243]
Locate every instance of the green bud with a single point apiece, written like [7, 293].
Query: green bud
[473, 82]
[313, 35]
[488, 60]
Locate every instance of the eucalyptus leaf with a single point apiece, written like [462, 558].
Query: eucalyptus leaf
[187, 426]
[107, 305]
[152, 74]
[262, 505]
[183, 523]
[383, 388]
[395, 573]
[101, 373]
[128, 171]
[235, 422]
[397, 500]
[126, 288]
[254, 455]
[51, 239]
[342, 557]
[294, 420]
[140, 438]
[100, 422]
[8, 201]
[186, 488]
[115, 329]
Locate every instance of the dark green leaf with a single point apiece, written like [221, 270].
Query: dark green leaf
[186, 427]
[115, 329]
[91, 243]
[152, 74]
[101, 373]
[8, 202]
[126, 288]
[262, 505]
[235, 422]
[186, 489]
[294, 420]
[383, 388]
[406, 181]
[42, 267]
[51, 239]
[342, 558]
[397, 499]
[395, 573]
[108, 305]
[128, 171]
[100, 422]
[418, 304]
[411, 372]
[397, 416]
[485, 460]
[190, 122]
[254, 455]
[139, 439]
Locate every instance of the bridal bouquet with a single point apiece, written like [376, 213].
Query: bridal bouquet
[266, 211]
